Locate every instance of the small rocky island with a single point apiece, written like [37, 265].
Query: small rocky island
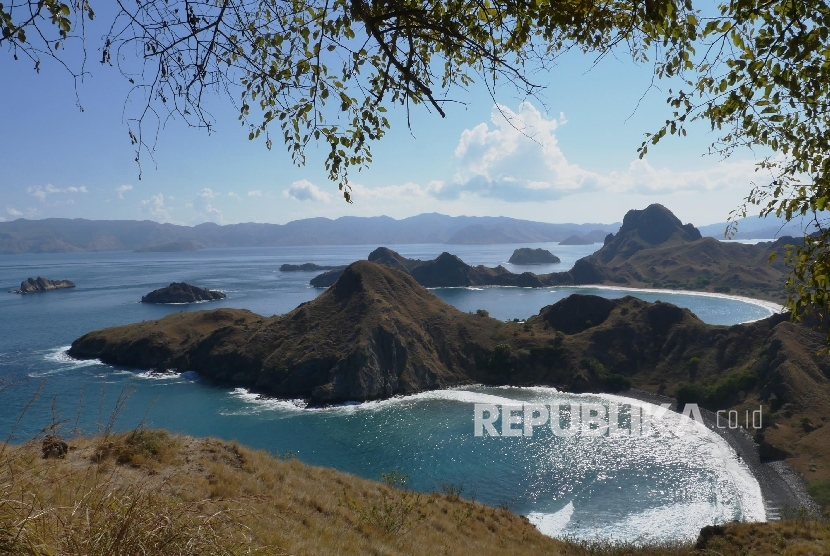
[526, 255]
[180, 292]
[306, 267]
[576, 240]
[33, 285]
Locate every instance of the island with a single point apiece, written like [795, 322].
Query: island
[526, 255]
[308, 267]
[576, 240]
[180, 292]
[34, 285]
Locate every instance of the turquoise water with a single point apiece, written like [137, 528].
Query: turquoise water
[587, 487]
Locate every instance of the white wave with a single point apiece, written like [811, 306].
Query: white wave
[60, 356]
[256, 403]
[678, 521]
[155, 375]
[460, 395]
[770, 306]
[553, 524]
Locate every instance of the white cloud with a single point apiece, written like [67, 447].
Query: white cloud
[234, 195]
[41, 192]
[255, 193]
[121, 189]
[304, 190]
[11, 211]
[203, 203]
[154, 206]
[520, 159]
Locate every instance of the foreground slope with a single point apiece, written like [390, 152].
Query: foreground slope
[149, 492]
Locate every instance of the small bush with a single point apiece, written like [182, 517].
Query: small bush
[140, 447]
[483, 312]
[452, 491]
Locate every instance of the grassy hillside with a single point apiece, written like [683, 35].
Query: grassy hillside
[148, 492]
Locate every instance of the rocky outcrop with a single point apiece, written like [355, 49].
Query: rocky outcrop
[33, 285]
[575, 240]
[307, 267]
[526, 255]
[577, 313]
[644, 229]
[180, 292]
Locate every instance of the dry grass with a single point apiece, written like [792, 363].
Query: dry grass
[149, 492]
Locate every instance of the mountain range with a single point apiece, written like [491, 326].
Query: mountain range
[59, 235]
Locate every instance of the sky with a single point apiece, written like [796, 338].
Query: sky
[580, 165]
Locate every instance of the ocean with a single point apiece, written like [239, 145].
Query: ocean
[663, 486]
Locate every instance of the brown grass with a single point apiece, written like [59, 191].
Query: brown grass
[149, 492]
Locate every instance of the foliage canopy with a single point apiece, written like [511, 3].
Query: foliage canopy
[758, 71]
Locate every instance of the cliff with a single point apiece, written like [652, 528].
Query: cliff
[33, 285]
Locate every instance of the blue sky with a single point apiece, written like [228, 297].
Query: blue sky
[60, 162]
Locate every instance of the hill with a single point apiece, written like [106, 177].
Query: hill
[654, 249]
[150, 492]
[57, 235]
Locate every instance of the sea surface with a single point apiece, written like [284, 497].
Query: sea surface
[663, 486]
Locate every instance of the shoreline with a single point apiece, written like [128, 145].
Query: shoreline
[782, 488]
[771, 306]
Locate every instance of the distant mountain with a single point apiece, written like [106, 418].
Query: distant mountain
[755, 227]
[59, 235]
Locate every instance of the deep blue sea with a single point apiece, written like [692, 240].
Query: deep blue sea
[663, 486]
